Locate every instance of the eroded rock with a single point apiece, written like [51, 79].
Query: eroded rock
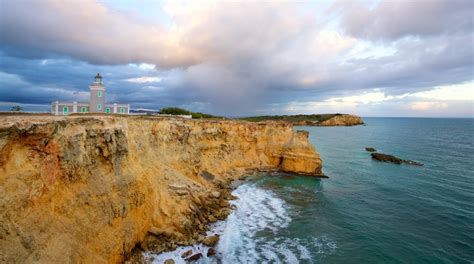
[207, 175]
[299, 156]
[187, 253]
[104, 185]
[211, 252]
[194, 257]
[210, 241]
[342, 120]
[169, 261]
[386, 158]
[390, 158]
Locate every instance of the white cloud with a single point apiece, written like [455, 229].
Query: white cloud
[144, 79]
[236, 56]
[151, 88]
[8, 79]
[456, 92]
[455, 100]
[143, 66]
[424, 106]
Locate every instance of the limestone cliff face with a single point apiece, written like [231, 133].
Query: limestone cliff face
[342, 120]
[299, 156]
[89, 189]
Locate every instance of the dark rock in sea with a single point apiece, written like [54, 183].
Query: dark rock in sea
[393, 159]
[194, 257]
[211, 252]
[369, 149]
[187, 253]
[386, 158]
[412, 162]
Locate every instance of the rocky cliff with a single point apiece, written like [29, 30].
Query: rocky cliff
[91, 189]
[342, 120]
[311, 120]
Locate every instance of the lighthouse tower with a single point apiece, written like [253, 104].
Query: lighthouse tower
[97, 100]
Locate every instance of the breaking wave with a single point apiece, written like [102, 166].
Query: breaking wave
[255, 232]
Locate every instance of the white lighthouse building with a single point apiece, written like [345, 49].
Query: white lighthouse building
[97, 103]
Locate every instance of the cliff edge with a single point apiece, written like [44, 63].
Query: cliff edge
[342, 120]
[91, 189]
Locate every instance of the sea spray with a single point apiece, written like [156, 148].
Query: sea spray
[258, 210]
[255, 232]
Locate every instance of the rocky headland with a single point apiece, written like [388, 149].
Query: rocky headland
[96, 189]
[342, 120]
[312, 120]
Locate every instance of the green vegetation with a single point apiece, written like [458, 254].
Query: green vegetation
[16, 108]
[181, 111]
[291, 118]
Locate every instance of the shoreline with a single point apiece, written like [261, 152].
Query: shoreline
[221, 210]
[140, 255]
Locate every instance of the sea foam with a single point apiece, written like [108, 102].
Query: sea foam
[258, 211]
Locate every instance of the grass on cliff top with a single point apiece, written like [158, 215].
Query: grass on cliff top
[18, 113]
[291, 118]
[181, 111]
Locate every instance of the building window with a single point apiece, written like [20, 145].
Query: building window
[99, 94]
[65, 110]
[99, 107]
[107, 110]
[83, 109]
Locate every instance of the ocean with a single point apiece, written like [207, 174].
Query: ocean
[367, 211]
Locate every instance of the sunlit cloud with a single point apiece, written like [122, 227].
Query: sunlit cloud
[456, 92]
[144, 79]
[143, 66]
[440, 98]
[423, 106]
[244, 57]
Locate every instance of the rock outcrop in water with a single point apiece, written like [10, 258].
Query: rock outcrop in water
[393, 159]
[91, 189]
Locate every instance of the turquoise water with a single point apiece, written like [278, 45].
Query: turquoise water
[367, 211]
[377, 212]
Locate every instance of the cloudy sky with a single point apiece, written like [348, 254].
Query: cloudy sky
[235, 58]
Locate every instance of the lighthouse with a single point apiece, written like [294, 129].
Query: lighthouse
[97, 95]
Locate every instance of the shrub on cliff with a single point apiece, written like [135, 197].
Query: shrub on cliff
[16, 108]
[174, 111]
[181, 111]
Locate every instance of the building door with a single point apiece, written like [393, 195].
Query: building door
[107, 110]
[65, 110]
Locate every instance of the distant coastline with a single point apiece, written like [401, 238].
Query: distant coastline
[296, 120]
[312, 120]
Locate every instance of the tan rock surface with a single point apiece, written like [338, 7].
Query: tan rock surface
[88, 189]
[342, 120]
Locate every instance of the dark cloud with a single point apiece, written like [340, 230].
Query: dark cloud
[391, 20]
[85, 30]
[232, 58]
